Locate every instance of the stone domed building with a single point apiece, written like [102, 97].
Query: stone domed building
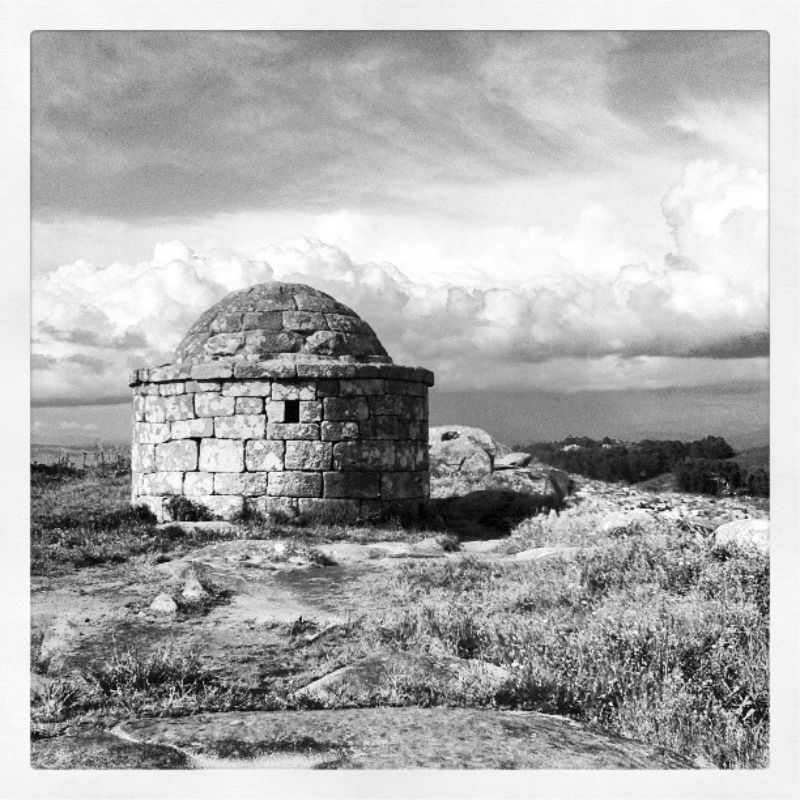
[281, 401]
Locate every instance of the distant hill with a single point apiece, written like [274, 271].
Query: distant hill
[753, 459]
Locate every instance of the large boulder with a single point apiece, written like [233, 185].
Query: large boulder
[746, 533]
[460, 449]
[512, 461]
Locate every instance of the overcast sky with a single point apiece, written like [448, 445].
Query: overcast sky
[556, 220]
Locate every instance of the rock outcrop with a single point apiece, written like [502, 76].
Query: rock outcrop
[461, 449]
[746, 533]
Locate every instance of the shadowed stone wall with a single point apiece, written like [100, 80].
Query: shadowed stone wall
[219, 434]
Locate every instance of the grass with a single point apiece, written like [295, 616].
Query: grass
[649, 633]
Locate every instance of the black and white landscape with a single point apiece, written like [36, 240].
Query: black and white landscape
[570, 231]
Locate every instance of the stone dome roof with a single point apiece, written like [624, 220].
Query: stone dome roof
[280, 320]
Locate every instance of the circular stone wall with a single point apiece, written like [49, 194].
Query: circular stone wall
[332, 437]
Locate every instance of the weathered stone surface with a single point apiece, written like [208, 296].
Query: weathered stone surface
[326, 370]
[208, 404]
[178, 407]
[143, 458]
[224, 343]
[306, 455]
[293, 390]
[406, 456]
[198, 483]
[363, 455]
[191, 428]
[249, 405]
[168, 389]
[226, 323]
[169, 372]
[176, 456]
[310, 410]
[327, 343]
[211, 370]
[193, 590]
[294, 484]
[247, 389]
[512, 461]
[402, 484]
[263, 320]
[221, 455]
[220, 505]
[331, 510]
[244, 483]
[457, 448]
[745, 533]
[269, 343]
[364, 386]
[264, 455]
[154, 503]
[303, 321]
[341, 410]
[164, 604]
[351, 484]
[240, 426]
[154, 408]
[339, 431]
[273, 369]
[161, 483]
[292, 430]
[277, 507]
[406, 387]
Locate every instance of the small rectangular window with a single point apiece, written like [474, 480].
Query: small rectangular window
[291, 411]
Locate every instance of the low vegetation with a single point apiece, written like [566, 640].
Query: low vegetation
[646, 632]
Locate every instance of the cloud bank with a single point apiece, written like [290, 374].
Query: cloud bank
[700, 313]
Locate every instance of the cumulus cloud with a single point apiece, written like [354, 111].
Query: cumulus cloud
[705, 301]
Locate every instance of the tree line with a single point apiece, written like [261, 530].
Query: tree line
[702, 466]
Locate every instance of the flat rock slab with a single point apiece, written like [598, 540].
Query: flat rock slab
[542, 553]
[102, 750]
[395, 738]
[352, 552]
[380, 670]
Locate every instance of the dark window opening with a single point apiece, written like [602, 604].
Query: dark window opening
[291, 411]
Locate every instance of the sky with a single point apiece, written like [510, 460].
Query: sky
[569, 229]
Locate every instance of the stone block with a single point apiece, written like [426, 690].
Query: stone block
[224, 344]
[339, 431]
[226, 323]
[220, 505]
[179, 406]
[264, 455]
[249, 405]
[406, 387]
[294, 484]
[176, 456]
[327, 388]
[338, 409]
[329, 510]
[168, 372]
[323, 370]
[303, 321]
[422, 457]
[328, 343]
[262, 320]
[139, 407]
[164, 483]
[294, 390]
[244, 483]
[198, 483]
[363, 455]
[212, 370]
[247, 389]
[305, 455]
[292, 430]
[168, 389]
[151, 432]
[310, 410]
[143, 458]
[210, 404]
[221, 455]
[279, 369]
[193, 387]
[405, 456]
[279, 508]
[155, 408]
[240, 426]
[275, 410]
[344, 323]
[364, 386]
[351, 484]
[271, 343]
[400, 485]
[384, 427]
[192, 428]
